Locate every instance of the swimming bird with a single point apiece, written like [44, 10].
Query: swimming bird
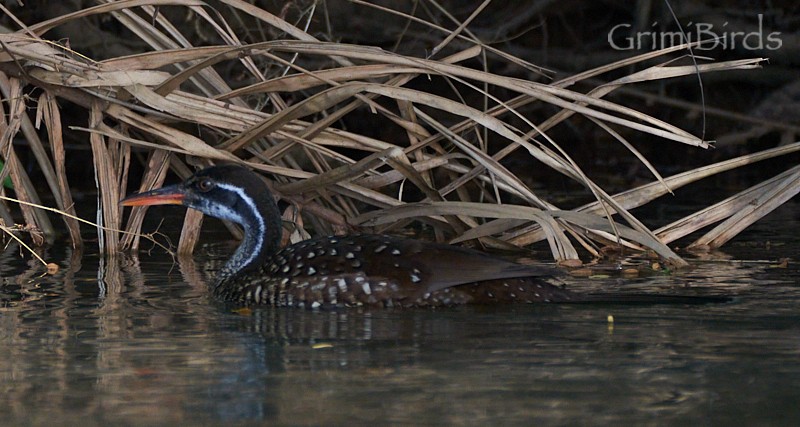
[354, 270]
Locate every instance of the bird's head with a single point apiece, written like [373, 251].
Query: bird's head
[229, 192]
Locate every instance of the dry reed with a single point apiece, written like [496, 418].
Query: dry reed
[172, 104]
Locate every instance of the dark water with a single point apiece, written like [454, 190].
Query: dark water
[137, 342]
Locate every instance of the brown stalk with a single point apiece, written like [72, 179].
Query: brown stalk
[108, 191]
[51, 114]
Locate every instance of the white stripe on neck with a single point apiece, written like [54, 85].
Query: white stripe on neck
[225, 212]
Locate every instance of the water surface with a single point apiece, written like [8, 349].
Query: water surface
[137, 341]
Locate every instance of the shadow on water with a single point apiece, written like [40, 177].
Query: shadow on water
[138, 341]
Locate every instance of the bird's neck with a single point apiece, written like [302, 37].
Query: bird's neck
[261, 223]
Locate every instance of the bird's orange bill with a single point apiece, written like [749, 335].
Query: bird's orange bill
[161, 196]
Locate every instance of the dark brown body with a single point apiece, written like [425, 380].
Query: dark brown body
[387, 271]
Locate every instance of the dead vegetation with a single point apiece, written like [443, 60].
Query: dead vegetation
[437, 157]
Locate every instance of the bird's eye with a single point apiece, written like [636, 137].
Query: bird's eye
[205, 184]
